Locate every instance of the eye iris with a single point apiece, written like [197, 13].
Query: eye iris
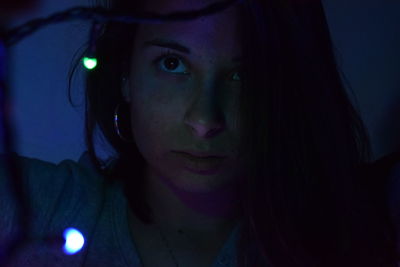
[171, 63]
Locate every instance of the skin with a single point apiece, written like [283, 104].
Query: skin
[193, 105]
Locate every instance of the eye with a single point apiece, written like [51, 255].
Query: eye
[171, 63]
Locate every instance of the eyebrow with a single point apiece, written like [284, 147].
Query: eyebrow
[165, 43]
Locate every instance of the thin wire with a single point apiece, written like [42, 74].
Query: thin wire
[166, 243]
[104, 15]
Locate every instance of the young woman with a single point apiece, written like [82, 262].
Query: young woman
[236, 145]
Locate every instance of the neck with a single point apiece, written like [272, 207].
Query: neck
[206, 212]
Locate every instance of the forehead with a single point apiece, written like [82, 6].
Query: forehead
[215, 32]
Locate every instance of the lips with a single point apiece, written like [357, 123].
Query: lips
[205, 165]
[202, 154]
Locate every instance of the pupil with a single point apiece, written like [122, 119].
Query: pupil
[171, 63]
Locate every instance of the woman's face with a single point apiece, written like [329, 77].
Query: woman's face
[183, 89]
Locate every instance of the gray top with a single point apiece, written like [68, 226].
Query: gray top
[70, 194]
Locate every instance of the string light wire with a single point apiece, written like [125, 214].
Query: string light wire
[104, 15]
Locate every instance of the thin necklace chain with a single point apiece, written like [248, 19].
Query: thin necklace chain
[168, 246]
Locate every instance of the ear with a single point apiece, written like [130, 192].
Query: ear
[126, 90]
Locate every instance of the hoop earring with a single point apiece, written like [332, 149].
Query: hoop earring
[116, 125]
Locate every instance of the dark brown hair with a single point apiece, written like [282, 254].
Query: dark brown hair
[304, 202]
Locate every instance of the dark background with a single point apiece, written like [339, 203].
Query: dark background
[366, 34]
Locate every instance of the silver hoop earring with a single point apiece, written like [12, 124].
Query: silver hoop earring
[116, 126]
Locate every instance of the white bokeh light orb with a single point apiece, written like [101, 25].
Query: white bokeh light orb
[73, 241]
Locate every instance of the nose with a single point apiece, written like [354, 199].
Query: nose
[204, 117]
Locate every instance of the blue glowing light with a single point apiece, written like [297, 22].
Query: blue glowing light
[73, 241]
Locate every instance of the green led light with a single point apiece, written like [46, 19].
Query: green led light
[89, 63]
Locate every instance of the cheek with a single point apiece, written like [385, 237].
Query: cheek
[153, 114]
[154, 107]
[157, 100]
